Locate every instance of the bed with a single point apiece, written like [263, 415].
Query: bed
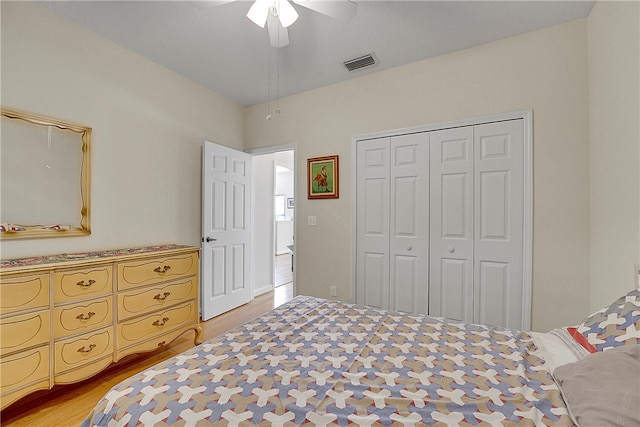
[318, 363]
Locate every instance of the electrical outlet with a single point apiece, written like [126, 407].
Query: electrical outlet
[334, 291]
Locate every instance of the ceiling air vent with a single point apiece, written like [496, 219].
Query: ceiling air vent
[361, 62]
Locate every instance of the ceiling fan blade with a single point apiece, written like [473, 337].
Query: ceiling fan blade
[278, 35]
[206, 4]
[286, 13]
[259, 11]
[342, 10]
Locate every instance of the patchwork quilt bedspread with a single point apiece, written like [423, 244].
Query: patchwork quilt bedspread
[316, 362]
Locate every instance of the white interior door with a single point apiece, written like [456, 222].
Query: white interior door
[499, 223]
[409, 223]
[372, 224]
[226, 251]
[451, 217]
[393, 223]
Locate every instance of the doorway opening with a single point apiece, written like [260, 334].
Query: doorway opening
[283, 211]
[273, 220]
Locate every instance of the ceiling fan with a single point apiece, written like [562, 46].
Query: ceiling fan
[280, 14]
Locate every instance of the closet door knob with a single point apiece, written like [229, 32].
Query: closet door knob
[409, 248]
[451, 249]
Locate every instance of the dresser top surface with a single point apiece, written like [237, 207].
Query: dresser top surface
[87, 256]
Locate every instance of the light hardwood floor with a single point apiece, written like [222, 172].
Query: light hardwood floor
[67, 405]
[282, 266]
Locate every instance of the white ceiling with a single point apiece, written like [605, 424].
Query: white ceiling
[218, 47]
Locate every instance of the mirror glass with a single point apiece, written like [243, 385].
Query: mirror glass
[44, 177]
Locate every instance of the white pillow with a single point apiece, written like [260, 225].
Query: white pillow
[603, 389]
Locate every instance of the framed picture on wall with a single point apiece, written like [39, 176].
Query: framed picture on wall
[322, 177]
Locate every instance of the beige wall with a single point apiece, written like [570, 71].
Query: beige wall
[614, 140]
[544, 70]
[147, 132]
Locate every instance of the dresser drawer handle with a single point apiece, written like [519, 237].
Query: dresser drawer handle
[161, 322]
[86, 285]
[162, 270]
[89, 315]
[83, 350]
[162, 297]
[162, 344]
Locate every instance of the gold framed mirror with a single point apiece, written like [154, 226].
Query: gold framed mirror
[44, 177]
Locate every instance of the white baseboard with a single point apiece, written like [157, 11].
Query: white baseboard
[262, 290]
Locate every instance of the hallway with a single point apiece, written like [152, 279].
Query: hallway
[283, 269]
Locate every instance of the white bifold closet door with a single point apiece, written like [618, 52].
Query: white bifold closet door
[440, 223]
[451, 224]
[392, 223]
[476, 224]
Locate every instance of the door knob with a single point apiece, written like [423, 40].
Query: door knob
[451, 249]
[409, 248]
[209, 239]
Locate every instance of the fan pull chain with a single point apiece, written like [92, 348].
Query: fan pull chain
[48, 165]
[269, 87]
[277, 111]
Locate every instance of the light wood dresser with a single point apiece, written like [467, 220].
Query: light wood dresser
[64, 318]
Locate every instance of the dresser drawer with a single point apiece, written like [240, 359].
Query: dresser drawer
[23, 331]
[154, 343]
[84, 349]
[141, 301]
[82, 317]
[78, 284]
[23, 292]
[83, 372]
[133, 274]
[23, 368]
[133, 331]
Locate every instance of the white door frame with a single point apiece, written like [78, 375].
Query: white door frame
[272, 150]
[527, 118]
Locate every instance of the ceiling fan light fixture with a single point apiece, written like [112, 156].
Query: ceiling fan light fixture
[260, 10]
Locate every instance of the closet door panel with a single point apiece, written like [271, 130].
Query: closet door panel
[499, 183]
[375, 279]
[406, 280]
[494, 205]
[451, 223]
[372, 223]
[455, 280]
[375, 216]
[454, 204]
[493, 291]
[409, 219]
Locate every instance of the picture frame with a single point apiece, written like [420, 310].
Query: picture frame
[290, 203]
[323, 177]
